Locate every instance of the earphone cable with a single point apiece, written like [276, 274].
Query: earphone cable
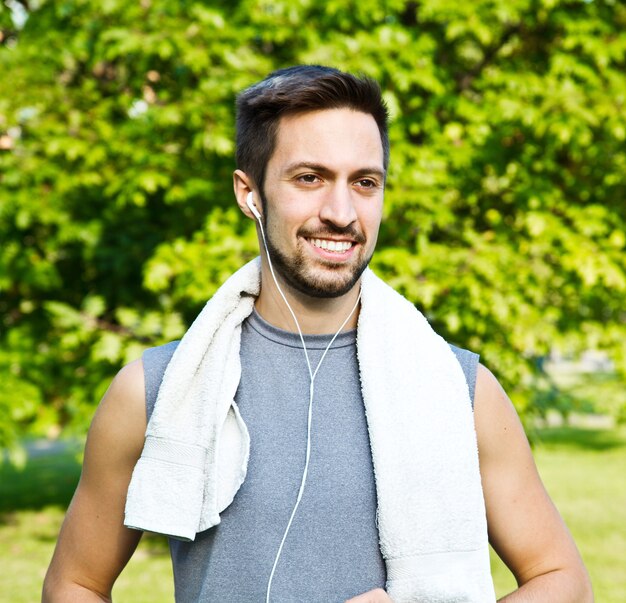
[312, 376]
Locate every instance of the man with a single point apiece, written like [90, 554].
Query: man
[345, 468]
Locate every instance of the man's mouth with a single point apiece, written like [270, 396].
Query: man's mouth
[330, 245]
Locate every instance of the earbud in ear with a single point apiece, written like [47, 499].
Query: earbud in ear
[253, 209]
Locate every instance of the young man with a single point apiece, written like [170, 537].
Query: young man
[311, 438]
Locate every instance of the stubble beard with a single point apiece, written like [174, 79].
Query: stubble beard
[325, 280]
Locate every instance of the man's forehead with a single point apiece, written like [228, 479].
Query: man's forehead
[316, 133]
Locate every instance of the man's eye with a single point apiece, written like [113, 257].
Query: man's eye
[308, 178]
[366, 183]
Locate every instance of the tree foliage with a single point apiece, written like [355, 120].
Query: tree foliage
[505, 205]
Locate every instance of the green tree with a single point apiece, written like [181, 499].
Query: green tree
[504, 212]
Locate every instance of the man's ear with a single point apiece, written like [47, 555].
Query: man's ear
[243, 186]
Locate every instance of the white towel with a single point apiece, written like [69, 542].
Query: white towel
[431, 515]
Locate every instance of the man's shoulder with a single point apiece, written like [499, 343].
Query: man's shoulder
[159, 355]
[469, 363]
[155, 361]
[464, 356]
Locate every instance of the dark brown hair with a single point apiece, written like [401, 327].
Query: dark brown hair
[297, 90]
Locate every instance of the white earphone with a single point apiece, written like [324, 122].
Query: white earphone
[252, 207]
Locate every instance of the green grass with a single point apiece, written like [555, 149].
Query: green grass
[584, 471]
[32, 506]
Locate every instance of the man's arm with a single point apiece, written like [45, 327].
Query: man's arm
[525, 529]
[94, 546]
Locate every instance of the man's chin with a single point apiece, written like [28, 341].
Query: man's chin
[318, 278]
[326, 286]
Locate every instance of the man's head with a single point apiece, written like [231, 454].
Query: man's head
[294, 90]
[313, 149]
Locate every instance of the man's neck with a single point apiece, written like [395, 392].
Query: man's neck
[316, 316]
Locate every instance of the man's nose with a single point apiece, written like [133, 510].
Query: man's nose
[338, 206]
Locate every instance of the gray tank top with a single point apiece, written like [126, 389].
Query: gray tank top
[331, 552]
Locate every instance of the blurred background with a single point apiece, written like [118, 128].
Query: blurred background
[504, 220]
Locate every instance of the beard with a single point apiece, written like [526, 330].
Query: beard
[320, 279]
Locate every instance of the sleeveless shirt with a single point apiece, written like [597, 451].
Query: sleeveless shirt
[331, 552]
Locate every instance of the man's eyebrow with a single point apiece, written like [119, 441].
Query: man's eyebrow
[308, 165]
[369, 171]
[325, 170]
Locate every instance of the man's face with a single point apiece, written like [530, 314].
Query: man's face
[323, 199]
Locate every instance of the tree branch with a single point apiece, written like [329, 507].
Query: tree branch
[465, 80]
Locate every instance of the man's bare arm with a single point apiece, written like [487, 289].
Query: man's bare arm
[94, 546]
[525, 529]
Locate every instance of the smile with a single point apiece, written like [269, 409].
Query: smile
[329, 245]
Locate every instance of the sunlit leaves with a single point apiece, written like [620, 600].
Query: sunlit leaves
[504, 215]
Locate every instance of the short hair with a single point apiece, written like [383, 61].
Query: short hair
[295, 90]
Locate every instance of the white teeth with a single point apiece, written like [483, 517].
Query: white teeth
[338, 246]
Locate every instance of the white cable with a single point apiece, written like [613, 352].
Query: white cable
[312, 376]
